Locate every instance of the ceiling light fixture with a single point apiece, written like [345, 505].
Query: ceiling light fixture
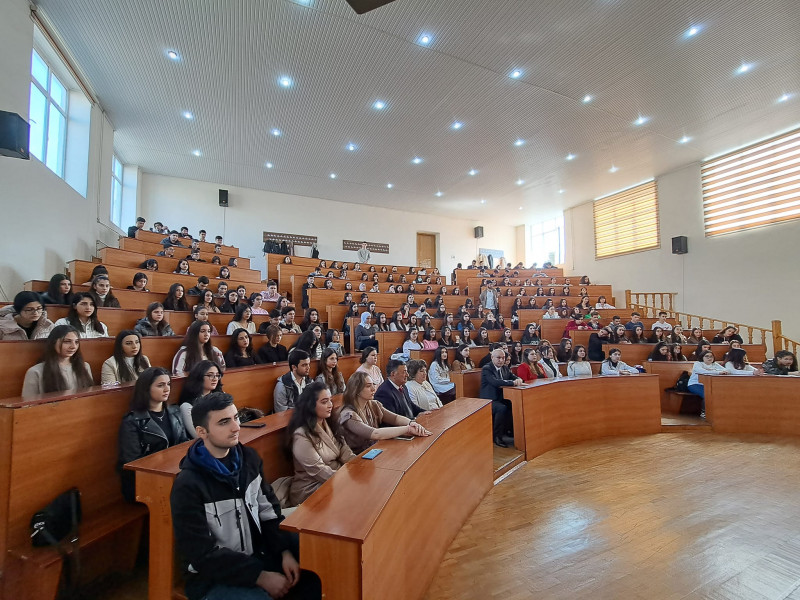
[425, 39]
[784, 98]
[587, 98]
[389, 185]
[472, 172]
[560, 191]
[744, 68]
[285, 82]
[519, 142]
[416, 160]
[439, 194]
[379, 105]
[520, 208]
[456, 125]
[520, 181]
[570, 156]
[685, 139]
[641, 120]
[692, 31]
[269, 165]
[197, 153]
[276, 132]
[483, 201]
[352, 147]
[187, 115]
[333, 175]
[515, 74]
[172, 55]
[613, 169]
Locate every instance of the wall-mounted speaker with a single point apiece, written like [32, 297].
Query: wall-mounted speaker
[478, 232]
[680, 245]
[14, 135]
[223, 198]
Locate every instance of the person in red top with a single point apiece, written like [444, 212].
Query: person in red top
[529, 369]
[576, 323]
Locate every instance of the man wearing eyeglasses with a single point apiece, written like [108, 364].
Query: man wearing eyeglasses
[25, 319]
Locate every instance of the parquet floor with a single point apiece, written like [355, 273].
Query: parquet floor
[671, 516]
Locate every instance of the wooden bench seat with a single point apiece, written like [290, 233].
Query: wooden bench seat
[127, 258]
[155, 238]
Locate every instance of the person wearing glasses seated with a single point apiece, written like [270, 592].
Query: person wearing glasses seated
[204, 378]
[24, 319]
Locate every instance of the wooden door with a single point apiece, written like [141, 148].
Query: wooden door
[426, 250]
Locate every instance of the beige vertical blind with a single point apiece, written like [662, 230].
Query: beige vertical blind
[627, 221]
[758, 185]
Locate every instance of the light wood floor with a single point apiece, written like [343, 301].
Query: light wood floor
[677, 515]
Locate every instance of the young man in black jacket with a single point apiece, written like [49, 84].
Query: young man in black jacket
[226, 517]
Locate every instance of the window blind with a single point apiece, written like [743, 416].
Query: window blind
[627, 221]
[752, 187]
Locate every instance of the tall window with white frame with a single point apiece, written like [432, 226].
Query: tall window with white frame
[48, 116]
[116, 191]
[546, 241]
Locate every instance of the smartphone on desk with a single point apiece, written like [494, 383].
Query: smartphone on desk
[253, 425]
[372, 453]
[406, 438]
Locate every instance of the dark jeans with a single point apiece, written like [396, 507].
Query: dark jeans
[502, 419]
[308, 588]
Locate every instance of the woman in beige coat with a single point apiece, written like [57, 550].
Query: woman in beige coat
[317, 442]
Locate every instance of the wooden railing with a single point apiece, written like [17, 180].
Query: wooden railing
[650, 303]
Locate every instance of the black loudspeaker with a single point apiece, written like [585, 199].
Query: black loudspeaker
[680, 245]
[223, 198]
[362, 6]
[478, 232]
[14, 135]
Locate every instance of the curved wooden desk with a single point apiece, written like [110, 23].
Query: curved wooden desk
[550, 413]
[380, 528]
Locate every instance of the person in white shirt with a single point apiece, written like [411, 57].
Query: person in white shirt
[579, 366]
[601, 303]
[439, 376]
[363, 254]
[737, 363]
[614, 366]
[551, 313]
[83, 317]
[419, 388]
[704, 366]
[549, 364]
[62, 368]
[662, 322]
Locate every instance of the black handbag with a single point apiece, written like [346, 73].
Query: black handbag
[57, 525]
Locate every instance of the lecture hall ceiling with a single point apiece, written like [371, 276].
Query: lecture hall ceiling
[634, 58]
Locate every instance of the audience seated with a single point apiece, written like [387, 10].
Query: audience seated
[737, 363]
[705, 365]
[614, 365]
[393, 393]
[529, 368]
[197, 346]
[62, 368]
[420, 391]
[784, 363]
[240, 352]
[127, 362]
[272, 351]
[287, 321]
[82, 316]
[59, 290]
[365, 334]
[317, 442]
[200, 288]
[243, 319]
[176, 299]
[365, 420]
[549, 362]
[292, 384]
[139, 283]
[25, 318]
[579, 365]
[329, 374]
[100, 289]
[154, 323]
[439, 375]
[462, 361]
[204, 378]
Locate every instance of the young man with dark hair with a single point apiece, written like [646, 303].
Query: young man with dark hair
[309, 284]
[226, 517]
[287, 320]
[157, 227]
[218, 240]
[392, 393]
[636, 321]
[271, 293]
[168, 251]
[222, 290]
[202, 235]
[134, 228]
[363, 255]
[185, 233]
[292, 384]
[662, 322]
[195, 255]
[172, 240]
[200, 288]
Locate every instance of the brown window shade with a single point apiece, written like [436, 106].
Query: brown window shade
[627, 221]
[755, 186]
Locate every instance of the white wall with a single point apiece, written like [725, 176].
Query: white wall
[750, 277]
[34, 201]
[178, 202]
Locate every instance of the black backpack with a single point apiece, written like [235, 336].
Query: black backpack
[682, 385]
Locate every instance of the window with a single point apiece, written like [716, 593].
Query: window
[547, 241]
[48, 116]
[116, 191]
[758, 185]
[627, 221]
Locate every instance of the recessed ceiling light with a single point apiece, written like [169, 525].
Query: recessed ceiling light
[439, 194]
[379, 105]
[560, 191]
[187, 115]
[641, 120]
[456, 125]
[570, 156]
[784, 98]
[519, 142]
[276, 132]
[685, 139]
[472, 172]
[269, 165]
[172, 55]
[692, 31]
[425, 39]
[197, 153]
[744, 68]
[285, 82]
[352, 147]
[515, 74]
[520, 181]
[587, 98]
[304, 2]
[483, 201]
[416, 160]
[390, 185]
[613, 169]
[333, 175]
[520, 208]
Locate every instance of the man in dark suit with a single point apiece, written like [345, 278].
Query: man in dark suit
[493, 379]
[393, 394]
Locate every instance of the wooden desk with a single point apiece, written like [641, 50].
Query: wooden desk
[155, 238]
[550, 413]
[379, 529]
[128, 258]
[768, 404]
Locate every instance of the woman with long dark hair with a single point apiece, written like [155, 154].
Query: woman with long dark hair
[176, 298]
[62, 368]
[204, 378]
[100, 289]
[230, 303]
[329, 373]
[151, 425]
[196, 346]
[127, 362]
[139, 283]
[317, 442]
[153, 323]
[82, 316]
[242, 319]
[530, 369]
[240, 352]
[59, 290]
[439, 376]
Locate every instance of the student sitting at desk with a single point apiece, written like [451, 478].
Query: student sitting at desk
[317, 442]
[62, 368]
[784, 363]
[361, 416]
[614, 366]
